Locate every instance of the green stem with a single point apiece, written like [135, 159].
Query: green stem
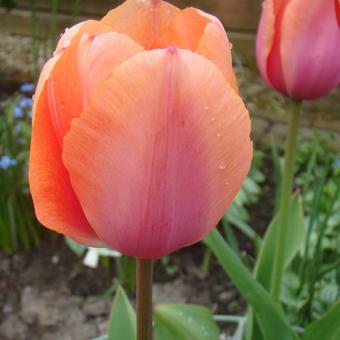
[75, 14]
[53, 23]
[286, 191]
[144, 299]
[206, 261]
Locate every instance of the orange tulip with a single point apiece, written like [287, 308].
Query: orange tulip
[140, 140]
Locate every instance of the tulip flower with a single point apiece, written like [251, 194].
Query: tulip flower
[298, 47]
[140, 140]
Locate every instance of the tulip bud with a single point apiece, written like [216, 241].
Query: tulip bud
[140, 140]
[298, 47]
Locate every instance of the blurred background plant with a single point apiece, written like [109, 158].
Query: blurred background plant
[8, 4]
[312, 284]
[18, 226]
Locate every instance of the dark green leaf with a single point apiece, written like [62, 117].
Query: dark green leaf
[122, 323]
[327, 328]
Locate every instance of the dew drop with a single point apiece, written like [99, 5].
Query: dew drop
[218, 135]
[222, 165]
[206, 107]
[212, 119]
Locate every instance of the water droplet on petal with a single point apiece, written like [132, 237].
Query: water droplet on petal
[206, 107]
[218, 135]
[222, 165]
[212, 119]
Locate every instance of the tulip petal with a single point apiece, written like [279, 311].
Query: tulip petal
[99, 55]
[70, 87]
[65, 93]
[310, 48]
[215, 46]
[185, 30]
[66, 38]
[279, 4]
[337, 11]
[141, 20]
[63, 44]
[44, 75]
[265, 37]
[63, 86]
[55, 203]
[160, 152]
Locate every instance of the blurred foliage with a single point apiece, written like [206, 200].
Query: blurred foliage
[17, 221]
[8, 4]
[312, 284]
[237, 215]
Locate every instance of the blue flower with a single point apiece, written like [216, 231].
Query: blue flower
[25, 102]
[17, 112]
[336, 164]
[27, 87]
[6, 162]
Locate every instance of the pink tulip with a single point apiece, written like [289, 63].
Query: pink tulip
[298, 47]
[140, 140]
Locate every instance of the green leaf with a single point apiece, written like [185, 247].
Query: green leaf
[184, 322]
[295, 237]
[232, 217]
[122, 323]
[265, 260]
[75, 246]
[326, 328]
[272, 321]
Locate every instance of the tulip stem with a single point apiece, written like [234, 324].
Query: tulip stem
[144, 299]
[286, 192]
